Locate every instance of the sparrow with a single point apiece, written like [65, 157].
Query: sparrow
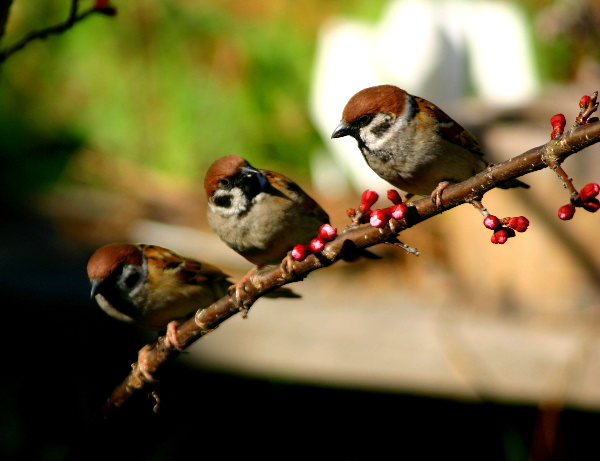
[260, 214]
[155, 288]
[410, 142]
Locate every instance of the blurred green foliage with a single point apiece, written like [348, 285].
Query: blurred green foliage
[173, 85]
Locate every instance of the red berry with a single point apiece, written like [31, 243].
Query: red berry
[394, 197]
[492, 222]
[585, 101]
[399, 211]
[379, 218]
[566, 212]
[327, 232]
[589, 191]
[502, 235]
[520, 223]
[317, 244]
[300, 252]
[369, 197]
[592, 205]
[558, 121]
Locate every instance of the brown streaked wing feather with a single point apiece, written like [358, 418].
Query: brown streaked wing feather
[191, 271]
[199, 273]
[449, 129]
[308, 206]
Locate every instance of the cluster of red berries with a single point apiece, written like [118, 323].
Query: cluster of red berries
[326, 234]
[505, 228]
[586, 200]
[379, 217]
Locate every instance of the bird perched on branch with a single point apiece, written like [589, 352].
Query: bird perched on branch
[155, 288]
[260, 214]
[410, 142]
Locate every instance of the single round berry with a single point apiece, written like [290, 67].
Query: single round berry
[592, 205]
[519, 223]
[394, 197]
[492, 222]
[327, 232]
[566, 212]
[589, 191]
[317, 244]
[369, 197]
[399, 211]
[300, 252]
[379, 218]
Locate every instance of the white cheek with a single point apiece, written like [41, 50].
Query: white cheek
[239, 202]
[377, 140]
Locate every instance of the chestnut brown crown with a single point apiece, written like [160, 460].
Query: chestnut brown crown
[108, 258]
[383, 98]
[224, 167]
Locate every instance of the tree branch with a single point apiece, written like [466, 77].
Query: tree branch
[42, 34]
[157, 354]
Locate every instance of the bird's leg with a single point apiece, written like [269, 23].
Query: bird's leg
[171, 340]
[142, 363]
[239, 289]
[287, 265]
[436, 195]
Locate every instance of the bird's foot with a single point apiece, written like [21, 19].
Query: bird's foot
[142, 363]
[436, 195]
[240, 293]
[171, 340]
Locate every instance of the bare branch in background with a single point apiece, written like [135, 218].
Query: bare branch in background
[100, 6]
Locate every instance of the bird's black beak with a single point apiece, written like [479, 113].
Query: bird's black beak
[249, 170]
[342, 130]
[96, 283]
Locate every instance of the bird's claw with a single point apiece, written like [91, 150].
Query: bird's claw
[142, 364]
[436, 195]
[171, 340]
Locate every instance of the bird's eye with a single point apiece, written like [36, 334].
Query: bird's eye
[224, 182]
[363, 119]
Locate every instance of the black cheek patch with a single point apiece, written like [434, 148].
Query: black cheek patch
[382, 128]
[223, 201]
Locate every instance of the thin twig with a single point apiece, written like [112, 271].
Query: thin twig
[42, 34]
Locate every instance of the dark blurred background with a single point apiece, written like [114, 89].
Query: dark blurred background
[471, 350]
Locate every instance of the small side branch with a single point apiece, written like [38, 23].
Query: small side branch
[74, 17]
